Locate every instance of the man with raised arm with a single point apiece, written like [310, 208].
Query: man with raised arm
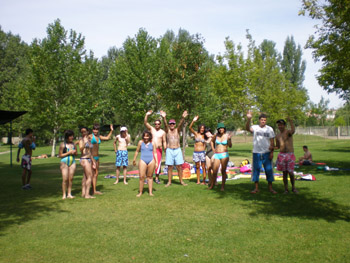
[263, 146]
[286, 158]
[173, 150]
[158, 139]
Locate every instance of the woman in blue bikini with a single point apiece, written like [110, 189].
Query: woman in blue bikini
[222, 141]
[96, 139]
[67, 153]
[147, 162]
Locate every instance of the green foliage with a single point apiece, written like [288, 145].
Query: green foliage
[133, 78]
[331, 44]
[317, 113]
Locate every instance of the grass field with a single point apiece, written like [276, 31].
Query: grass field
[179, 224]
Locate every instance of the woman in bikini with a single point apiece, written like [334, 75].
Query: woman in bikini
[86, 162]
[96, 139]
[222, 141]
[209, 155]
[199, 149]
[147, 161]
[67, 153]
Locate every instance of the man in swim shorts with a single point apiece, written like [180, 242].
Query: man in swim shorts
[159, 139]
[286, 158]
[121, 153]
[29, 145]
[307, 158]
[173, 151]
[263, 146]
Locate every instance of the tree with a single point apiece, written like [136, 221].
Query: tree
[184, 72]
[55, 63]
[331, 43]
[292, 64]
[133, 78]
[318, 112]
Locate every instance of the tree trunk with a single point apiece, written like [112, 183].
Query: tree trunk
[53, 151]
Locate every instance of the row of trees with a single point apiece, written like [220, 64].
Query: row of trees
[63, 86]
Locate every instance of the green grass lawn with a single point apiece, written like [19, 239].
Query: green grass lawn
[179, 224]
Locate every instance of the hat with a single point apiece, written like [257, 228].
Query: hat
[281, 121]
[172, 121]
[220, 125]
[123, 129]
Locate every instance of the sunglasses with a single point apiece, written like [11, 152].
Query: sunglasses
[172, 123]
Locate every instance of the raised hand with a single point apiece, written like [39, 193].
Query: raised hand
[149, 112]
[111, 127]
[185, 114]
[249, 115]
[195, 118]
[163, 114]
[229, 134]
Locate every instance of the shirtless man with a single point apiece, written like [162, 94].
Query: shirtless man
[286, 159]
[122, 153]
[173, 150]
[307, 158]
[28, 144]
[96, 139]
[158, 139]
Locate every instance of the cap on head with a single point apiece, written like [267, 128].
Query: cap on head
[220, 125]
[123, 129]
[281, 121]
[172, 121]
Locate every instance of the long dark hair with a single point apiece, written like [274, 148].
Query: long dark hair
[149, 134]
[67, 134]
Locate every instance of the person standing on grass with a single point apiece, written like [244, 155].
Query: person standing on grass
[121, 153]
[67, 153]
[286, 158]
[173, 150]
[28, 143]
[222, 141]
[199, 149]
[147, 161]
[158, 139]
[96, 139]
[263, 146]
[209, 155]
[87, 162]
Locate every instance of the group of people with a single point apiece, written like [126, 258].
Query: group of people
[210, 154]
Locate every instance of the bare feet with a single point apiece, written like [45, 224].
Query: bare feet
[295, 191]
[64, 197]
[97, 193]
[168, 184]
[255, 191]
[198, 182]
[125, 182]
[286, 192]
[150, 194]
[70, 197]
[183, 184]
[89, 197]
[204, 183]
[273, 191]
[139, 195]
[116, 182]
[222, 189]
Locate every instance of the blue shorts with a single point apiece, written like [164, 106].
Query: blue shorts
[174, 156]
[260, 159]
[122, 158]
[220, 156]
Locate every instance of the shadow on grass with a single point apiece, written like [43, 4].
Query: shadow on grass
[19, 206]
[344, 168]
[306, 205]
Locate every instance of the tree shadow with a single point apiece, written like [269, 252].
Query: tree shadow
[306, 204]
[19, 206]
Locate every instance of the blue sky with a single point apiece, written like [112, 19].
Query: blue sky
[107, 23]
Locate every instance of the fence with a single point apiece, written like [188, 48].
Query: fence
[330, 132]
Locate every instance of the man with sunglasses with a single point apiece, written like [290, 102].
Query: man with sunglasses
[173, 150]
[158, 139]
